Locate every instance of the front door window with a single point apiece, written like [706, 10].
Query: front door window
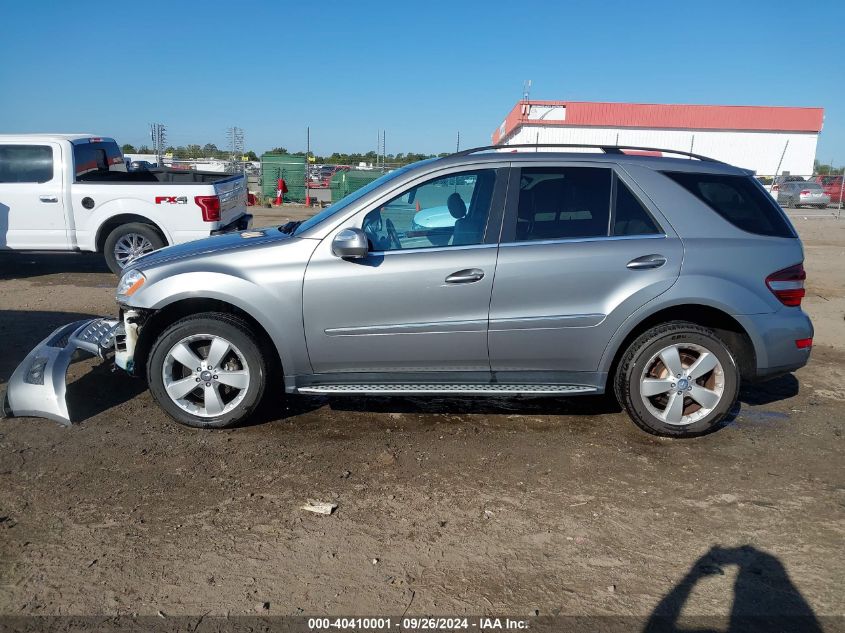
[447, 211]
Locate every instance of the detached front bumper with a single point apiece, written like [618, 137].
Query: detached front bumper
[37, 387]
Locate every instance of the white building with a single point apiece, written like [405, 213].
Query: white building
[753, 137]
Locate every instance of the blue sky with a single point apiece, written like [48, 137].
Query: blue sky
[420, 70]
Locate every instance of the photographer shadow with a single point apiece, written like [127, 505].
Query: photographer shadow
[764, 600]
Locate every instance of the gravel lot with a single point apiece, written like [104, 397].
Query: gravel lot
[446, 506]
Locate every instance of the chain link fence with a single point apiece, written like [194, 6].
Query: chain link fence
[820, 191]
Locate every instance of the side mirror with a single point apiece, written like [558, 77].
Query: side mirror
[350, 244]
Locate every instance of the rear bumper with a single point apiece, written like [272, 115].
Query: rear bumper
[37, 386]
[241, 223]
[816, 201]
[774, 336]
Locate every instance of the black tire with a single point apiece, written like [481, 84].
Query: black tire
[146, 231]
[237, 333]
[633, 365]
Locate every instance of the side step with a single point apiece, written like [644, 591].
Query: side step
[450, 389]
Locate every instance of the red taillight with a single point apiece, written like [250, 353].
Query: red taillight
[210, 206]
[805, 192]
[788, 285]
[804, 343]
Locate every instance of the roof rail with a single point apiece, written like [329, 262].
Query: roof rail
[607, 149]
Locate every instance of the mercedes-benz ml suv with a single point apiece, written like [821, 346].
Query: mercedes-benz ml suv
[666, 281]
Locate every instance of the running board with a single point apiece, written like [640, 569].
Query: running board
[447, 389]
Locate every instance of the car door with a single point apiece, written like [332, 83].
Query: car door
[32, 206]
[784, 193]
[419, 301]
[582, 248]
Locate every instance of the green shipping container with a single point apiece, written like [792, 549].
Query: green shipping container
[291, 167]
[345, 182]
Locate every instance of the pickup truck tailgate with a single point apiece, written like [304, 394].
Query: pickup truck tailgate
[232, 194]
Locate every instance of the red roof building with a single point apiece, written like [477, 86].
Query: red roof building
[756, 137]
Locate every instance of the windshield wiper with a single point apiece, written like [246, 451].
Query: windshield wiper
[290, 227]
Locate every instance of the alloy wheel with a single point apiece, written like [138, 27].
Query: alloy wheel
[205, 375]
[131, 246]
[682, 383]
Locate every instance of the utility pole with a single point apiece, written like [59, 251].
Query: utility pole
[158, 135]
[458, 144]
[308, 166]
[235, 136]
[383, 150]
[780, 162]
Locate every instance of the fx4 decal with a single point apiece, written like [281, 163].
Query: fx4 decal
[171, 200]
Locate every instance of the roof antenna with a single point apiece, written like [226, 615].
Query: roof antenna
[537, 142]
[526, 93]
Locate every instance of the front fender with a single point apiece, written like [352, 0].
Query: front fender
[281, 317]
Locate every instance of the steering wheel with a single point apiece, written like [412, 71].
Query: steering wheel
[392, 235]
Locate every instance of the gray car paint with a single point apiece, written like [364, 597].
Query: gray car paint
[558, 311]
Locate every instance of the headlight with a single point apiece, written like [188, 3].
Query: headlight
[130, 283]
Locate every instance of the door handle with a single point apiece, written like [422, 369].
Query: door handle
[646, 261]
[48, 198]
[466, 276]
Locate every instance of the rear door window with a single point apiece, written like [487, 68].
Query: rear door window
[738, 199]
[563, 203]
[26, 163]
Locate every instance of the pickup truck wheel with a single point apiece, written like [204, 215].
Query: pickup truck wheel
[678, 380]
[207, 371]
[128, 242]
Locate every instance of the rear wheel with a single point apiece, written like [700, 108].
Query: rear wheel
[678, 380]
[207, 371]
[128, 242]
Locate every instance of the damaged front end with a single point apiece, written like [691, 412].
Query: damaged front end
[37, 388]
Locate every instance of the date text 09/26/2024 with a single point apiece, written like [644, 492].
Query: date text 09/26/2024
[417, 623]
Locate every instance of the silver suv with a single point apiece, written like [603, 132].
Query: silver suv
[665, 280]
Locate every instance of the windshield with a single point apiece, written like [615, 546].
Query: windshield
[344, 202]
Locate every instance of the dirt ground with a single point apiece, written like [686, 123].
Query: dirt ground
[445, 506]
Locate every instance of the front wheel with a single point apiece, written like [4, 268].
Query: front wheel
[128, 242]
[678, 380]
[207, 371]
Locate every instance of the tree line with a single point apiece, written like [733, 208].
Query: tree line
[210, 150]
[825, 169]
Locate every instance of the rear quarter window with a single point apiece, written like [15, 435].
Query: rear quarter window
[738, 199]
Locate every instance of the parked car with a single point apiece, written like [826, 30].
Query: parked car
[778, 181]
[137, 165]
[832, 186]
[72, 192]
[802, 194]
[664, 281]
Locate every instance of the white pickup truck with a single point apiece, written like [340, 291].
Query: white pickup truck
[72, 192]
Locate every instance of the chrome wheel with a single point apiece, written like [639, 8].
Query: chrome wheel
[131, 246]
[683, 383]
[205, 375]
